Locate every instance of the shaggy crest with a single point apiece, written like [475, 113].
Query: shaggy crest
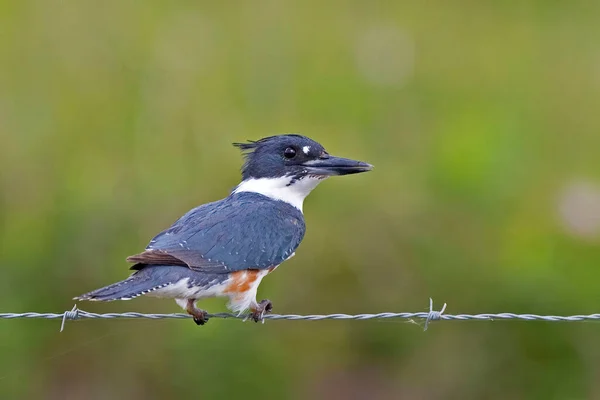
[270, 149]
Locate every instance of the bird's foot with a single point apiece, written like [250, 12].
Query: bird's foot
[200, 316]
[264, 307]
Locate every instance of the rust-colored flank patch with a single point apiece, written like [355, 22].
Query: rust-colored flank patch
[241, 281]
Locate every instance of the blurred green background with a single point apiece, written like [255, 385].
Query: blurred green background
[481, 119]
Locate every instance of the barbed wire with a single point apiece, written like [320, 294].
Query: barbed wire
[429, 316]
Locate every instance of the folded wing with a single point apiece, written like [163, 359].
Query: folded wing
[243, 231]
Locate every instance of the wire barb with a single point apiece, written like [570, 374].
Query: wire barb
[73, 315]
[433, 315]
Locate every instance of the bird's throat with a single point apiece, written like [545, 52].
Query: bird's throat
[289, 189]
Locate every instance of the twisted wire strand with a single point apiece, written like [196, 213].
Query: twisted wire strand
[428, 316]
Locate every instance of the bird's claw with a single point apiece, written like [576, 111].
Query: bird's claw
[200, 317]
[264, 307]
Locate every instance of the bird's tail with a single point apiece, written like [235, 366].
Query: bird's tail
[140, 282]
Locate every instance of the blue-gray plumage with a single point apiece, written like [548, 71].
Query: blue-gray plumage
[243, 231]
[225, 248]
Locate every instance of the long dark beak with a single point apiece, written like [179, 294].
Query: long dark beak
[330, 166]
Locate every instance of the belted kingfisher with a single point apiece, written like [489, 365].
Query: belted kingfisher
[225, 248]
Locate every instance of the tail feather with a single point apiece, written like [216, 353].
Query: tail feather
[130, 288]
[150, 278]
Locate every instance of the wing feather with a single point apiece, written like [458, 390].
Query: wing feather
[243, 231]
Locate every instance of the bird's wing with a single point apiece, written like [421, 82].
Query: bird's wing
[244, 231]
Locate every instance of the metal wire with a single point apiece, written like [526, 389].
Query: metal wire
[431, 315]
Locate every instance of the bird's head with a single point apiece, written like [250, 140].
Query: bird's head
[288, 167]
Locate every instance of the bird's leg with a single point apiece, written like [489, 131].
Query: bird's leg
[262, 308]
[200, 316]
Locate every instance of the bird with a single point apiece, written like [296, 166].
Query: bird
[225, 248]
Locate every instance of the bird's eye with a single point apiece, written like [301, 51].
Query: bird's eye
[289, 152]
